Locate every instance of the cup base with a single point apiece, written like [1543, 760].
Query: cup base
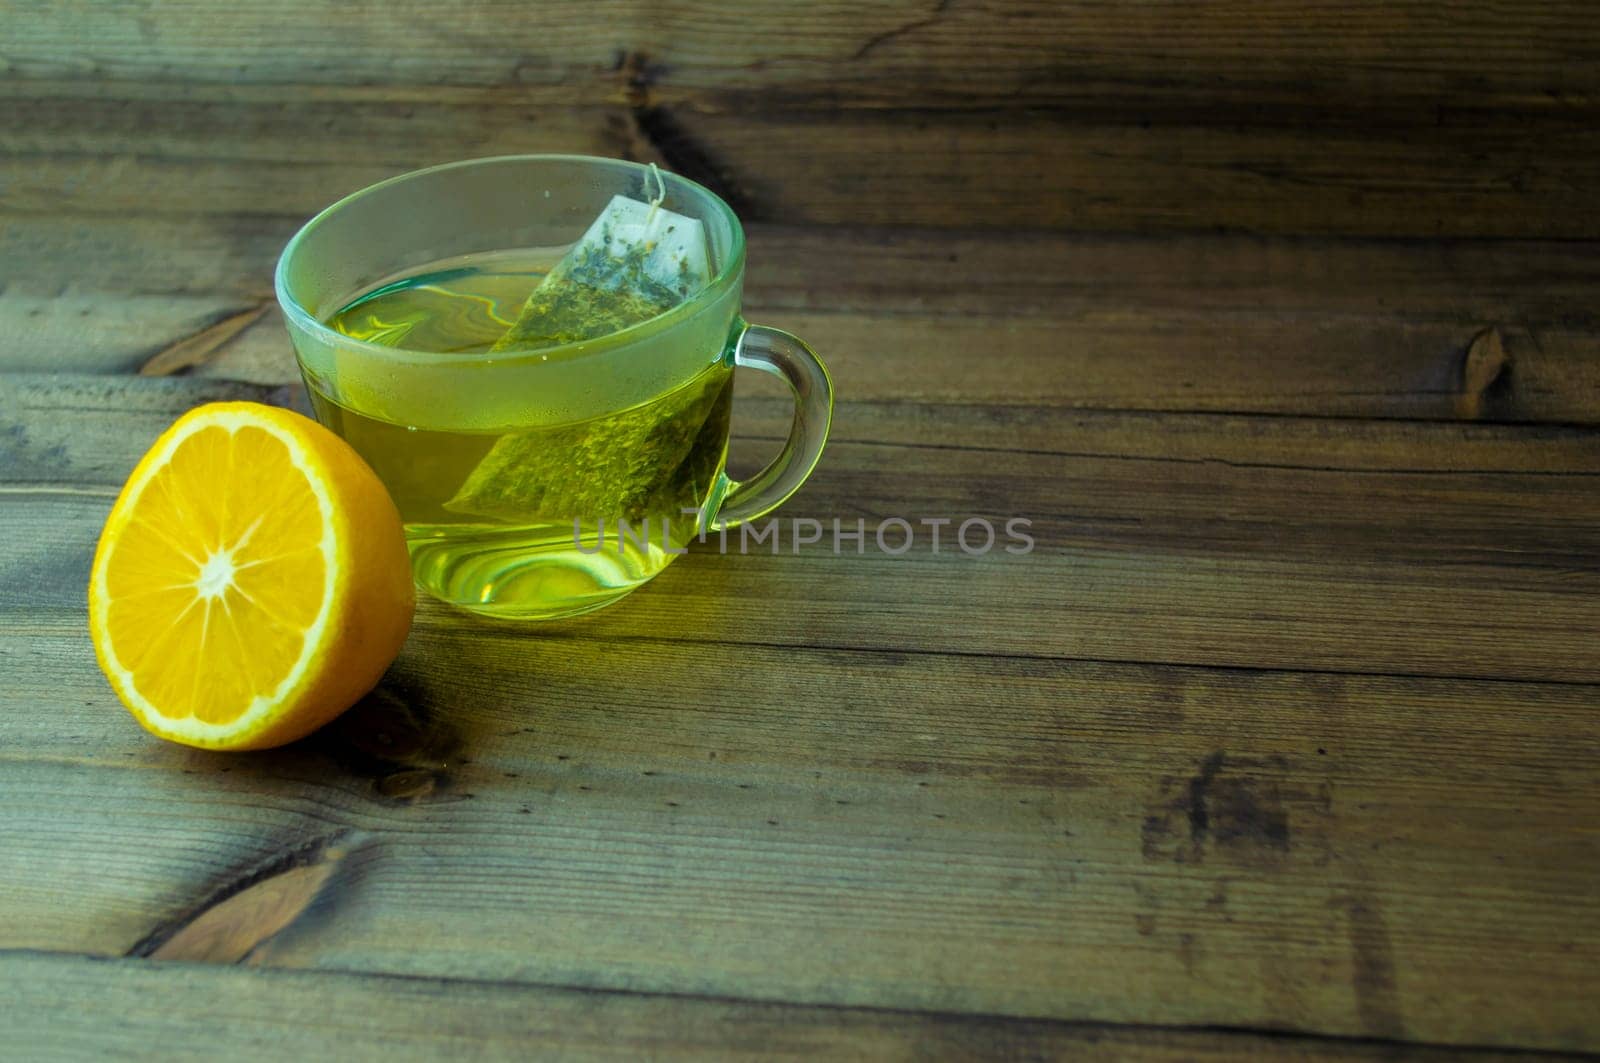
[513, 614]
[527, 574]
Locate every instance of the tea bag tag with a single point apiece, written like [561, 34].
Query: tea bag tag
[668, 248]
[636, 260]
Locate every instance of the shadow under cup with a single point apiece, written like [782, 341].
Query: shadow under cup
[550, 482]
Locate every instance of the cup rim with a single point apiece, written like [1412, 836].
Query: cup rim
[304, 319]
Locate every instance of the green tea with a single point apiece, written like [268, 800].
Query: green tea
[545, 515]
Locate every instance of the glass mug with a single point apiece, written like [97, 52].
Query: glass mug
[543, 483]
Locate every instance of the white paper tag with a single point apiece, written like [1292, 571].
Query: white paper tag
[674, 247]
[635, 261]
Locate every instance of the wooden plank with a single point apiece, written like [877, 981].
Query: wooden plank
[1041, 273]
[1175, 173]
[1375, 855]
[96, 424]
[1220, 324]
[1319, 365]
[271, 1015]
[1478, 174]
[890, 53]
[196, 155]
[1255, 542]
[1228, 363]
[50, 255]
[1357, 855]
[877, 269]
[100, 332]
[1317, 602]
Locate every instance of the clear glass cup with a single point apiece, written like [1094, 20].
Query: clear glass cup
[407, 410]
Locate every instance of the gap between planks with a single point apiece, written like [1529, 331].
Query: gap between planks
[1295, 1044]
[429, 613]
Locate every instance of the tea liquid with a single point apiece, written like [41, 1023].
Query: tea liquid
[521, 519]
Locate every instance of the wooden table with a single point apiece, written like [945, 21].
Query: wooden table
[1278, 323]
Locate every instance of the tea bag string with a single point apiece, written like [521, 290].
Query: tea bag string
[661, 194]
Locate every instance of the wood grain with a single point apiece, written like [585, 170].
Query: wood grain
[899, 270]
[891, 53]
[1488, 174]
[1474, 174]
[952, 795]
[1278, 744]
[1347, 328]
[1418, 118]
[1353, 855]
[1109, 358]
[230, 927]
[100, 332]
[198, 348]
[271, 1015]
[192, 154]
[1251, 542]
[1120, 359]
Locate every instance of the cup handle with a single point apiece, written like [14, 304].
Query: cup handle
[788, 358]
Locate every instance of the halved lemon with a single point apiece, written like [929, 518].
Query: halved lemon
[251, 582]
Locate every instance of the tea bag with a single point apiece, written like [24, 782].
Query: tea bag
[654, 460]
[635, 261]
